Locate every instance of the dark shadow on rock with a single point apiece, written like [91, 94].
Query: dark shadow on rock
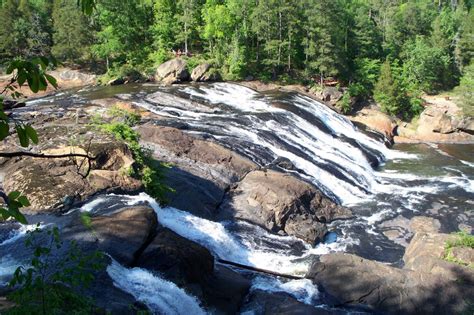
[196, 195]
[354, 280]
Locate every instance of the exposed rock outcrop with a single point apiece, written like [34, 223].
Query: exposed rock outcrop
[376, 120]
[441, 121]
[180, 260]
[191, 266]
[56, 183]
[202, 170]
[172, 71]
[426, 285]
[205, 73]
[123, 234]
[282, 202]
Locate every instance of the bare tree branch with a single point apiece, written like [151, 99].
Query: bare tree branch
[45, 156]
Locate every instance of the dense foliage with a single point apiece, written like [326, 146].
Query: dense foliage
[427, 43]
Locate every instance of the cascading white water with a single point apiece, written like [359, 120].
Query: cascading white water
[339, 168]
[223, 243]
[161, 296]
[325, 148]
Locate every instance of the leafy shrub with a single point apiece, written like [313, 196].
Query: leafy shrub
[345, 102]
[51, 283]
[148, 170]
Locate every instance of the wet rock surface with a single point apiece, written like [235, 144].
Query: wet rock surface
[123, 234]
[261, 302]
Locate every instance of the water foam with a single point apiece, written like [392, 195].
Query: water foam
[243, 248]
[302, 289]
[161, 296]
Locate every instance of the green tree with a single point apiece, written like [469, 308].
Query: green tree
[466, 90]
[465, 44]
[389, 93]
[14, 30]
[324, 41]
[71, 31]
[426, 67]
[188, 17]
[164, 29]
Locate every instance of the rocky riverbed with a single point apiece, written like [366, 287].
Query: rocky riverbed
[259, 222]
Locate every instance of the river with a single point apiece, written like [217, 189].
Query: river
[384, 187]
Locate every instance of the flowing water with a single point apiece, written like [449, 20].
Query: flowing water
[383, 187]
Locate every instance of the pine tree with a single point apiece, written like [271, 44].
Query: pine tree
[14, 30]
[465, 44]
[71, 31]
[389, 93]
[324, 54]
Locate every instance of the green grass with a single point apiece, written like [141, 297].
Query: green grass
[462, 239]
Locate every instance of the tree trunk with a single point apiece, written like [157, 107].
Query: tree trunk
[280, 38]
[185, 38]
[289, 51]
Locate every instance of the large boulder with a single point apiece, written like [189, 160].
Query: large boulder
[59, 183]
[440, 121]
[330, 94]
[376, 120]
[282, 202]
[172, 71]
[191, 266]
[427, 284]
[202, 170]
[123, 234]
[354, 280]
[180, 260]
[204, 73]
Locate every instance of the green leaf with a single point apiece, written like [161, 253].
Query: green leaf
[20, 218]
[31, 133]
[4, 213]
[24, 201]
[4, 130]
[13, 195]
[24, 140]
[44, 62]
[21, 79]
[42, 84]
[51, 80]
[33, 82]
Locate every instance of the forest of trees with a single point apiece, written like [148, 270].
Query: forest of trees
[393, 50]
